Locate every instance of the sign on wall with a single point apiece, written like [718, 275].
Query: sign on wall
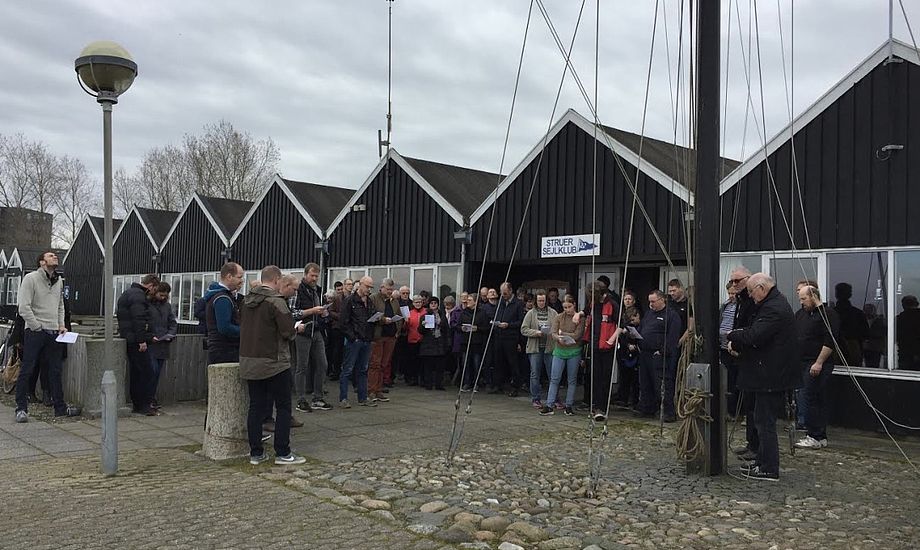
[565, 246]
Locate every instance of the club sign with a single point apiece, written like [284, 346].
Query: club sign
[564, 246]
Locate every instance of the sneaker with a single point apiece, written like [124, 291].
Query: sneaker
[808, 442]
[256, 460]
[536, 404]
[321, 406]
[344, 404]
[547, 411]
[367, 403]
[382, 398]
[599, 416]
[476, 390]
[303, 406]
[296, 423]
[513, 392]
[464, 389]
[289, 459]
[757, 473]
[22, 417]
[569, 412]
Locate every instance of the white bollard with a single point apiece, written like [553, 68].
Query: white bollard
[109, 424]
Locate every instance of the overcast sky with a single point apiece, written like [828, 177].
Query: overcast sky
[312, 75]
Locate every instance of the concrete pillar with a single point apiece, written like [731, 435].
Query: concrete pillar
[225, 433]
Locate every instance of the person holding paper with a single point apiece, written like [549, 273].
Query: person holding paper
[509, 314]
[163, 326]
[536, 327]
[567, 334]
[384, 343]
[412, 372]
[474, 327]
[310, 373]
[359, 333]
[434, 345]
[628, 357]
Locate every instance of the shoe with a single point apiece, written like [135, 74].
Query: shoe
[513, 392]
[256, 460]
[296, 423]
[475, 390]
[266, 436]
[569, 412]
[289, 459]
[547, 411]
[757, 473]
[536, 404]
[344, 404]
[321, 406]
[367, 403]
[155, 405]
[22, 417]
[72, 411]
[748, 455]
[808, 442]
[464, 389]
[268, 426]
[599, 416]
[560, 406]
[148, 412]
[582, 406]
[382, 398]
[303, 406]
[669, 418]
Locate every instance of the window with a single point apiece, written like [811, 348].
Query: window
[12, 289]
[355, 274]
[789, 271]
[378, 274]
[422, 279]
[907, 320]
[857, 288]
[173, 281]
[400, 276]
[185, 299]
[727, 264]
[336, 275]
[448, 281]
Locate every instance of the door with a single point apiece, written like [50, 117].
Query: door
[587, 276]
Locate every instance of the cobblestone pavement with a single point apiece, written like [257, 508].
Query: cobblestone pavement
[380, 477]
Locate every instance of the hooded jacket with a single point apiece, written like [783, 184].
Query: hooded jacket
[266, 328]
[133, 312]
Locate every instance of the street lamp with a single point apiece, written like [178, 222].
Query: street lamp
[105, 70]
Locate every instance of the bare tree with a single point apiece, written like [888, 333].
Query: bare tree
[124, 193]
[76, 198]
[228, 163]
[164, 178]
[29, 173]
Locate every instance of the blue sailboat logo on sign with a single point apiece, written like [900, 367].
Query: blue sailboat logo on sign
[584, 245]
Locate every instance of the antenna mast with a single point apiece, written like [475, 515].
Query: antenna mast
[386, 142]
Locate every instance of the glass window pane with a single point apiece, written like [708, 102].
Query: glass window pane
[378, 274]
[400, 276]
[174, 295]
[355, 274]
[336, 275]
[727, 264]
[447, 281]
[186, 298]
[789, 271]
[907, 322]
[856, 288]
[423, 279]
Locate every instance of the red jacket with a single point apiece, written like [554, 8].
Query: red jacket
[608, 326]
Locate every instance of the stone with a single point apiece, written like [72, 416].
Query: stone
[343, 500]
[388, 494]
[359, 487]
[542, 503]
[475, 546]
[423, 528]
[384, 515]
[372, 504]
[323, 492]
[433, 507]
[496, 524]
[528, 530]
[297, 483]
[592, 547]
[509, 546]
[468, 517]
[484, 535]
[560, 543]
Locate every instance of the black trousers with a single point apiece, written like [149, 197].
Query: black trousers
[335, 352]
[506, 362]
[411, 368]
[263, 394]
[433, 368]
[140, 374]
[600, 383]
[748, 400]
[767, 407]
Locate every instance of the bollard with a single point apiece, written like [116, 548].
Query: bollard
[225, 434]
[109, 424]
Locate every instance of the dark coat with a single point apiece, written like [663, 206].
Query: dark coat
[133, 315]
[769, 347]
[511, 312]
[435, 342]
[353, 318]
[162, 325]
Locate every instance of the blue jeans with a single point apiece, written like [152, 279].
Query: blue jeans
[536, 390]
[571, 366]
[156, 367]
[39, 347]
[357, 354]
[472, 361]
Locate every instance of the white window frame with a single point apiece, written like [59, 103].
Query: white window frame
[12, 289]
[435, 279]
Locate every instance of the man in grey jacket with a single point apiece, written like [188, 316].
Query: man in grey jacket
[41, 306]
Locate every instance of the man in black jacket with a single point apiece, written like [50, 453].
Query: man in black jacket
[744, 307]
[768, 350]
[310, 373]
[817, 327]
[509, 314]
[356, 310]
[134, 326]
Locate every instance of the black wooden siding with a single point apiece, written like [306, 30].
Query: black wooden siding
[562, 205]
[83, 274]
[416, 230]
[276, 234]
[194, 245]
[133, 251]
[851, 197]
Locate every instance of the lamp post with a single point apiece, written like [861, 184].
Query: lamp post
[105, 70]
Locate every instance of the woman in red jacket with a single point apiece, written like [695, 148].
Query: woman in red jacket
[413, 340]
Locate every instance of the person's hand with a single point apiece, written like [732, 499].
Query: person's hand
[577, 317]
[387, 321]
[155, 339]
[142, 347]
[474, 328]
[612, 340]
[503, 325]
[301, 328]
[632, 347]
[316, 310]
[815, 369]
[62, 330]
[325, 312]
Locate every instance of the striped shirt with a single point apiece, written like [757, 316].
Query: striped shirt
[727, 324]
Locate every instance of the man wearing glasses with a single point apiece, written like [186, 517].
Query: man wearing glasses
[744, 307]
[768, 350]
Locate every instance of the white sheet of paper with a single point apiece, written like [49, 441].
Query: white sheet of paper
[405, 311]
[567, 340]
[466, 327]
[429, 321]
[633, 332]
[396, 318]
[67, 337]
[375, 317]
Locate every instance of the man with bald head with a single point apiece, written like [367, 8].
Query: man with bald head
[769, 358]
[744, 306]
[359, 333]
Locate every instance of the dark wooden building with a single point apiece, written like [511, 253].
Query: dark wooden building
[137, 243]
[843, 218]
[402, 223]
[83, 265]
[287, 225]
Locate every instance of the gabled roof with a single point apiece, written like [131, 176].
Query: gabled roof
[318, 204]
[896, 47]
[155, 223]
[24, 258]
[447, 187]
[96, 226]
[657, 158]
[224, 215]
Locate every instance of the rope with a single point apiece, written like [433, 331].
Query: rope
[691, 444]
